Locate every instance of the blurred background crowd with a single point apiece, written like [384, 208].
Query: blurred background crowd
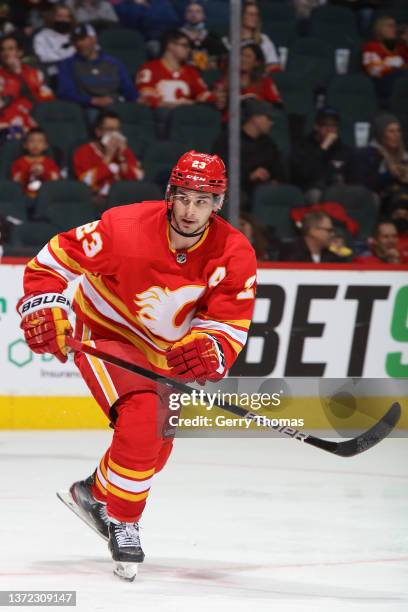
[99, 98]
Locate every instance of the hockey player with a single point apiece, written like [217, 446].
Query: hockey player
[167, 285]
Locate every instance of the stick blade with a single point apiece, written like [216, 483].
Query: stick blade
[372, 436]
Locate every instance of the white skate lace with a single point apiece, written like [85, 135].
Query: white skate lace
[103, 514]
[127, 534]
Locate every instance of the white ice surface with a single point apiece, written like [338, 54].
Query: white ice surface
[244, 524]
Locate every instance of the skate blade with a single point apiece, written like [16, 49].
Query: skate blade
[68, 500]
[125, 570]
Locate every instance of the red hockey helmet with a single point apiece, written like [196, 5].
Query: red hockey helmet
[201, 172]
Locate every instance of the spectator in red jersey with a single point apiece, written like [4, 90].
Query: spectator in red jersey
[35, 167]
[207, 47]
[21, 85]
[106, 159]
[383, 245]
[169, 81]
[254, 82]
[385, 58]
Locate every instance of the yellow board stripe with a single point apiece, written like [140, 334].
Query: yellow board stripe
[132, 473]
[129, 496]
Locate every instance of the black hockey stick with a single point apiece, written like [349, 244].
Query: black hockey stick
[347, 448]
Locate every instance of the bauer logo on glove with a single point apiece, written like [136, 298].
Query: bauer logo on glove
[197, 357]
[45, 323]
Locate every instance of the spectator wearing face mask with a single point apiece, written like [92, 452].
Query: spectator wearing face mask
[52, 44]
[207, 48]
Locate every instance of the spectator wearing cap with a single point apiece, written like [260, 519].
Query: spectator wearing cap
[99, 13]
[21, 86]
[52, 44]
[315, 243]
[385, 58]
[322, 159]
[261, 161]
[383, 246]
[91, 77]
[383, 165]
[207, 47]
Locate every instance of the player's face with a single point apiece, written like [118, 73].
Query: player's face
[192, 209]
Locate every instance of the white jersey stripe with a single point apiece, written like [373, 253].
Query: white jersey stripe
[46, 258]
[236, 334]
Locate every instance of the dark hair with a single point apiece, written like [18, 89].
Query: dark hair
[381, 222]
[11, 37]
[105, 115]
[312, 219]
[172, 36]
[260, 241]
[35, 130]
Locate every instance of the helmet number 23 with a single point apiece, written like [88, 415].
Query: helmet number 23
[198, 164]
[91, 241]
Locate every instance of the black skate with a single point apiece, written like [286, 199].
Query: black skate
[80, 500]
[127, 553]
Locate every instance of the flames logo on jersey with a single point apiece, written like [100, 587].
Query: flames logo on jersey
[160, 308]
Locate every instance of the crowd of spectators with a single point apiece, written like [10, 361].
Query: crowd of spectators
[59, 51]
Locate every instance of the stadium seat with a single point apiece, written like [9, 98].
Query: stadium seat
[353, 96]
[9, 151]
[217, 16]
[323, 18]
[272, 205]
[128, 192]
[282, 33]
[28, 238]
[137, 124]
[312, 60]
[160, 158]
[297, 94]
[280, 130]
[126, 45]
[399, 103]
[359, 202]
[63, 123]
[65, 204]
[13, 201]
[196, 126]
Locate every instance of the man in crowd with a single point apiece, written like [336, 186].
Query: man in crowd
[314, 244]
[169, 81]
[261, 160]
[322, 159]
[384, 245]
[106, 159]
[207, 47]
[91, 77]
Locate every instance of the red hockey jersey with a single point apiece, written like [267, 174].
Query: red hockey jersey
[21, 171]
[378, 60]
[157, 83]
[135, 289]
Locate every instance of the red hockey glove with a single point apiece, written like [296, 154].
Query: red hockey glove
[45, 323]
[197, 357]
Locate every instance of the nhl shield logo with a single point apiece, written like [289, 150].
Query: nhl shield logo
[181, 258]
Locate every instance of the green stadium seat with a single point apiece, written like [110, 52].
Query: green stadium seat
[129, 192]
[196, 126]
[312, 60]
[359, 202]
[9, 152]
[353, 96]
[13, 201]
[272, 205]
[297, 94]
[137, 125]
[63, 123]
[280, 130]
[65, 204]
[282, 33]
[27, 239]
[399, 103]
[329, 15]
[217, 16]
[126, 45]
[160, 158]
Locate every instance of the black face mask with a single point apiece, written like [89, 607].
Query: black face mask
[401, 225]
[63, 27]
